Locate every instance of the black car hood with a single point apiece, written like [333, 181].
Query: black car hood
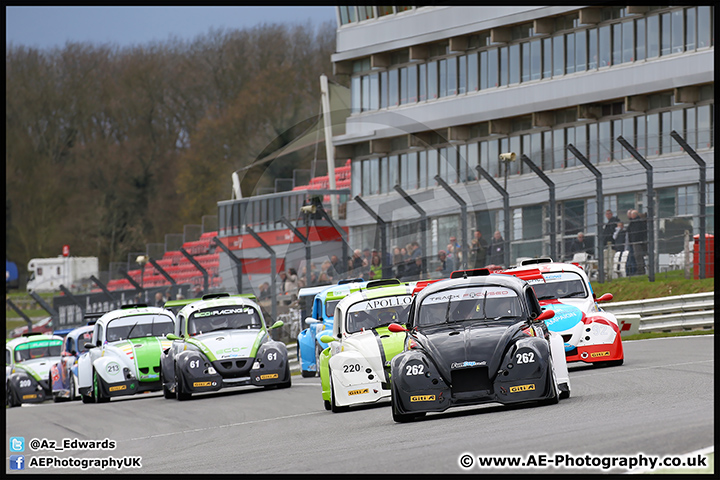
[478, 342]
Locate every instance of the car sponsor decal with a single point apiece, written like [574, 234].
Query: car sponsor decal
[201, 384]
[359, 392]
[422, 398]
[268, 376]
[565, 318]
[522, 388]
[469, 293]
[227, 311]
[467, 363]
[29, 396]
[117, 388]
[600, 354]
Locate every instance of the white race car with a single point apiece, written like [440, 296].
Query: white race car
[589, 333]
[27, 367]
[124, 356]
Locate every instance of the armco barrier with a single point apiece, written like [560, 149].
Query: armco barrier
[666, 314]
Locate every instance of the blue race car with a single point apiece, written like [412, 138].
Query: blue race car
[321, 318]
[64, 373]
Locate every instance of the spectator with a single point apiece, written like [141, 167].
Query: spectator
[637, 235]
[335, 269]
[453, 241]
[197, 292]
[159, 299]
[323, 279]
[446, 264]
[291, 282]
[619, 238]
[367, 260]
[357, 262]
[283, 280]
[398, 263]
[412, 268]
[580, 245]
[264, 291]
[497, 249]
[375, 268]
[478, 253]
[609, 228]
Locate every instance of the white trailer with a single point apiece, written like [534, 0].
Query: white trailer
[47, 274]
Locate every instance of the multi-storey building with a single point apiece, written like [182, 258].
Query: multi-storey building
[440, 90]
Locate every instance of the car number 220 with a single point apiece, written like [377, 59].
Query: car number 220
[351, 367]
[414, 369]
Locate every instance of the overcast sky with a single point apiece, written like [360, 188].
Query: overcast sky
[48, 27]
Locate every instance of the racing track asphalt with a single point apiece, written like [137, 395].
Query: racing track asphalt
[660, 402]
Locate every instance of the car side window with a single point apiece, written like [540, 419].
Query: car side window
[182, 324]
[8, 357]
[99, 340]
[70, 344]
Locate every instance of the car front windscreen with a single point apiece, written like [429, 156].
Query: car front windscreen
[469, 303]
[138, 326]
[82, 340]
[377, 312]
[38, 349]
[231, 317]
[561, 285]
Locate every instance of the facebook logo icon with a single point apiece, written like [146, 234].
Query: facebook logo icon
[17, 462]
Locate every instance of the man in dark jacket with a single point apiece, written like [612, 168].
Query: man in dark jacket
[609, 227]
[637, 235]
[497, 249]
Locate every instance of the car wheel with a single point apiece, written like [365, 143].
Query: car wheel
[287, 384]
[553, 385]
[611, 363]
[167, 393]
[307, 374]
[327, 404]
[333, 406]
[97, 391]
[564, 391]
[72, 387]
[318, 351]
[10, 398]
[401, 417]
[179, 393]
[56, 398]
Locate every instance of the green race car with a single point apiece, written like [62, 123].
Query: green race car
[27, 367]
[222, 341]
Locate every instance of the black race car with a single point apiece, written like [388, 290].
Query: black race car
[476, 338]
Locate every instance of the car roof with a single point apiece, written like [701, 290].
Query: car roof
[130, 310]
[370, 293]
[33, 338]
[219, 302]
[549, 267]
[499, 279]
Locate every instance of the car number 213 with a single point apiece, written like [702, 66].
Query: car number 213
[414, 369]
[527, 357]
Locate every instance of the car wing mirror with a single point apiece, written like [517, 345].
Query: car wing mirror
[310, 321]
[277, 324]
[327, 338]
[396, 328]
[88, 346]
[605, 297]
[545, 315]
[172, 336]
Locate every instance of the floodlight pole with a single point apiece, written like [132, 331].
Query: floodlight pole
[273, 269]
[703, 200]
[506, 210]
[387, 269]
[551, 188]
[650, 225]
[423, 219]
[600, 207]
[463, 216]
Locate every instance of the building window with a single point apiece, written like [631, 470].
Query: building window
[653, 36]
[704, 127]
[383, 89]
[393, 172]
[442, 67]
[503, 66]
[690, 29]
[452, 77]
[535, 59]
[640, 39]
[432, 80]
[558, 57]
[422, 169]
[473, 160]
[472, 75]
[483, 70]
[677, 37]
[514, 60]
[384, 175]
[403, 85]
[628, 42]
[412, 84]
[665, 33]
[382, 11]
[492, 68]
[526, 57]
[653, 134]
[704, 34]
[617, 44]
[422, 82]
[374, 91]
[559, 148]
[365, 93]
[604, 46]
[462, 74]
[570, 53]
[393, 84]
[581, 51]
[432, 167]
[355, 95]
[592, 49]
